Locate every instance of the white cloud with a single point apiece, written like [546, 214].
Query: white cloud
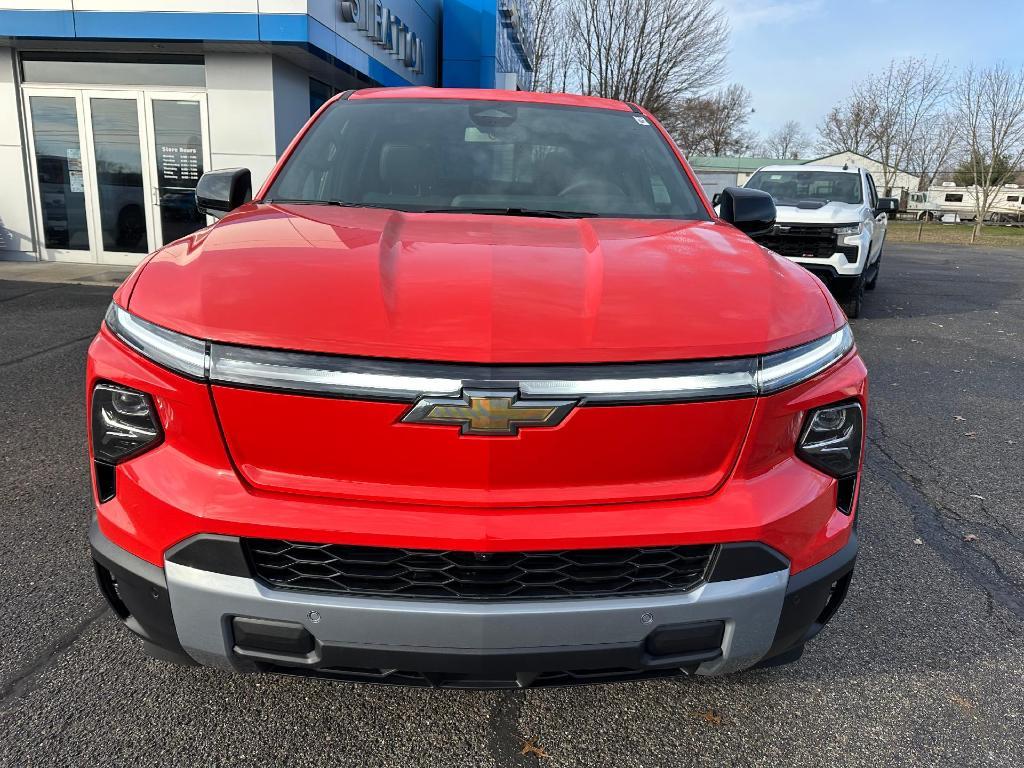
[745, 16]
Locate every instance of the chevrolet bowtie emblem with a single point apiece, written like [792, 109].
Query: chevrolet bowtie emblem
[486, 412]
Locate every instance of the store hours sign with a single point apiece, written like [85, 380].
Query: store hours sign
[382, 26]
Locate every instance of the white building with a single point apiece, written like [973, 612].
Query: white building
[902, 183]
[110, 110]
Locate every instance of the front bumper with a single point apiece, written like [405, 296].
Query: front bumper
[750, 611]
[840, 265]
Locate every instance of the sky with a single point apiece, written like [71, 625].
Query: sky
[799, 58]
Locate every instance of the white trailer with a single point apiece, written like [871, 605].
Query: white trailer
[949, 202]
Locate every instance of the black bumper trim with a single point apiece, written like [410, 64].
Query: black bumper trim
[213, 553]
[137, 592]
[811, 601]
[746, 559]
[473, 668]
[226, 555]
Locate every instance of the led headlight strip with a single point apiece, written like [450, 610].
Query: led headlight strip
[405, 381]
[176, 351]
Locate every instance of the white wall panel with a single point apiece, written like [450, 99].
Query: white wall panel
[15, 213]
[175, 6]
[35, 5]
[291, 102]
[241, 96]
[260, 165]
[291, 6]
[15, 218]
[240, 89]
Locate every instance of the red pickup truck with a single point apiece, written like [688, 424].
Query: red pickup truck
[478, 391]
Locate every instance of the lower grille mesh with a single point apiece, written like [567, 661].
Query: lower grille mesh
[413, 573]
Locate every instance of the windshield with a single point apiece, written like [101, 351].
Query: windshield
[792, 187]
[523, 159]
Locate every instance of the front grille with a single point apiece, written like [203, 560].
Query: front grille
[819, 246]
[817, 241]
[432, 574]
[806, 230]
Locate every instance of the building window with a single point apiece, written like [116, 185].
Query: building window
[1013, 199]
[954, 198]
[113, 69]
[319, 94]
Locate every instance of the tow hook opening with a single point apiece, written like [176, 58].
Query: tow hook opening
[836, 596]
[259, 638]
[108, 587]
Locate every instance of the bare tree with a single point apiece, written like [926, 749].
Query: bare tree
[907, 98]
[788, 142]
[652, 52]
[933, 150]
[713, 124]
[549, 45]
[891, 116]
[848, 128]
[988, 107]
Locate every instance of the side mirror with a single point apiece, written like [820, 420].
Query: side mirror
[890, 206]
[749, 210]
[220, 192]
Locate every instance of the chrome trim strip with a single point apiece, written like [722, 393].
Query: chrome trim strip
[360, 378]
[299, 372]
[407, 381]
[672, 388]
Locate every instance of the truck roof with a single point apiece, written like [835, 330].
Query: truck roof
[826, 168]
[483, 94]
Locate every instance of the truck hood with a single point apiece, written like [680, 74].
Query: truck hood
[488, 289]
[830, 213]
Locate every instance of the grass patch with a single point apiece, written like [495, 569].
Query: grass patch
[954, 234]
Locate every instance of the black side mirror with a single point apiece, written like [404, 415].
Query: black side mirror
[220, 192]
[749, 210]
[890, 206]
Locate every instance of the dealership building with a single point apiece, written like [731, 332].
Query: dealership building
[111, 110]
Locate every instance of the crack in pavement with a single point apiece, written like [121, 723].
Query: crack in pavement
[29, 293]
[22, 682]
[979, 567]
[39, 353]
[995, 527]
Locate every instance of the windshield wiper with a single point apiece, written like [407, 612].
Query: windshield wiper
[339, 203]
[536, 212]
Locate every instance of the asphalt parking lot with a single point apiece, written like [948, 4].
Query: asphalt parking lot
[923, 666]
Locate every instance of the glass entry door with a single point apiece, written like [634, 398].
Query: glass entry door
[116, 170]
[177, 129]
[120, 178]
[62, 205]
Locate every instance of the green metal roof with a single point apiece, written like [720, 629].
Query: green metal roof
[738, 164]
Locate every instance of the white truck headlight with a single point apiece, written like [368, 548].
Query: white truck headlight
[850, 229]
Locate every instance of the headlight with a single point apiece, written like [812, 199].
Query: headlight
[176, 351]
[831, 439]
[791, 366]
[850, 229]
[124, 423]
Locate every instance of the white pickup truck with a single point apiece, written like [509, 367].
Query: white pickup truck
[830, 220]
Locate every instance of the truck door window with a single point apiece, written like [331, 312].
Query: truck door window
[872, 192]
